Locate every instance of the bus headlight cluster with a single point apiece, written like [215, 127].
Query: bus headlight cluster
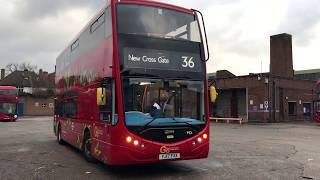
[200, 139]
[129, 140]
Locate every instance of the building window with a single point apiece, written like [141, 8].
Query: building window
[292, 106]
[318, 107]
[51, 105]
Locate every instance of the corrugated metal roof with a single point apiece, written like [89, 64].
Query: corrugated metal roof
[309, 71]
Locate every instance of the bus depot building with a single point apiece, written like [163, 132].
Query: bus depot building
[277, 96]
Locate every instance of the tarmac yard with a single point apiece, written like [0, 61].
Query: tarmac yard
[28, 150]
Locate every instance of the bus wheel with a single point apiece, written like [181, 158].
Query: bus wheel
[59, 137]
[87, 148]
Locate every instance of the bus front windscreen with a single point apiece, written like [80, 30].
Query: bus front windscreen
[147, 100]
[8, 108]
[157, 22]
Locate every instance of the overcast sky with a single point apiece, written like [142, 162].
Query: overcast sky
[36, 31]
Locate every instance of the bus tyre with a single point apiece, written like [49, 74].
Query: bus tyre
[87, 148]
[59, 137]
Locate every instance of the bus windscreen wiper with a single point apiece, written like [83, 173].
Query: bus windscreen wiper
[191, 125]
[143, 128]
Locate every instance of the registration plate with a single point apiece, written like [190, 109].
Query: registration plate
[169, 156]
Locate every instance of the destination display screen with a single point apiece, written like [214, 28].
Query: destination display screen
[162, 60]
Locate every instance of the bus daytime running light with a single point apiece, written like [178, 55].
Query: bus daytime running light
[199, 139]
[136, 142]
[205, 136]
[129, 139]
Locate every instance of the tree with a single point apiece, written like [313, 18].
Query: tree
[11, 67]
[27, 66]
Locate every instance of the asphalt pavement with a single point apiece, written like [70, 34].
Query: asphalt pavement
[28, 150]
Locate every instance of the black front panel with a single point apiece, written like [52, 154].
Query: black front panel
[167, 134]
[156, 57]
[161, 60]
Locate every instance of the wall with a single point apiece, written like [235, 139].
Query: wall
[268, 97]
[37, 106]
[224, 103]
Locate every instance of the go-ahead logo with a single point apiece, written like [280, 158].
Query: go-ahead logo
[166, 150]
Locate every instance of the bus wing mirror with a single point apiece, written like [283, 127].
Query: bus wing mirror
[213, 94]
[101, 96]
[203, 34]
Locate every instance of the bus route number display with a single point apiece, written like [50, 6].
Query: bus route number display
[162, 60]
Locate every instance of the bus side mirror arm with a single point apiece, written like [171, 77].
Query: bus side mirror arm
[205, 33]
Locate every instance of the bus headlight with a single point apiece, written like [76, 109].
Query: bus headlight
[199, 139]
[136, 142]
[205, 136]
[129, 139]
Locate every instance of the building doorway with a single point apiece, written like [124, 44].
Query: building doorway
[307, 111]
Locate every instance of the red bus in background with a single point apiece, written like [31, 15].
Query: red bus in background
[8, 103]
[131, 87]
[317, 103]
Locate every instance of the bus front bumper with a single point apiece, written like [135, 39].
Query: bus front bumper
[125, 155]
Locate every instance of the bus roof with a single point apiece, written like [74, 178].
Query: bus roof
[7, 88]
[142, 2]
[160, 4]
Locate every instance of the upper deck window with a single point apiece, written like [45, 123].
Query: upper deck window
[75, 45]
[8, 92]
[97, 23]
[157, 22]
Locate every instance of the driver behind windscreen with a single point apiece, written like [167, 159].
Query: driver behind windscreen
[168, 103]
[155, 110]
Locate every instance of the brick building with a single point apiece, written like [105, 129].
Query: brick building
[268, 97]
[35, 91]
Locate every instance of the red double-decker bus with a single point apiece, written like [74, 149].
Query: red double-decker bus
[8, 103]
[131, 88]
[317, 103]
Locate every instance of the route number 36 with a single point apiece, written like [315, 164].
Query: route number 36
[187, 62]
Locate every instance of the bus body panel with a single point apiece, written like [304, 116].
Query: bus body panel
[108, 142]
[8, 100]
